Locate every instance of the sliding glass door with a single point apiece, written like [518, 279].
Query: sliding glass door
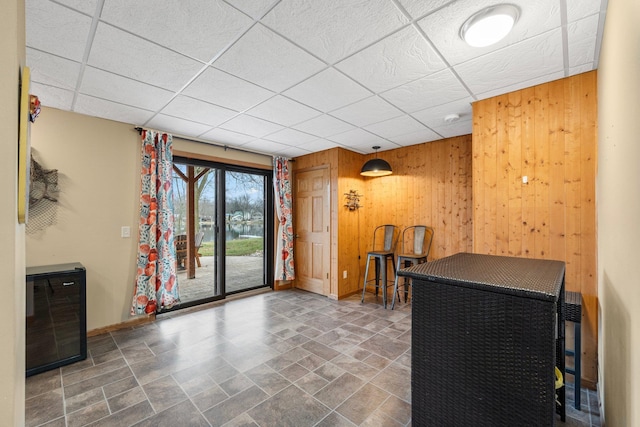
[223, 229]
[244, 230]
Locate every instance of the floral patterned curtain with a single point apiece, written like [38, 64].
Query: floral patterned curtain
[156, 285]
[284, 236]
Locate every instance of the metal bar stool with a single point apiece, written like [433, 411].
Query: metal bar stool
[422, 237]
[573, 313]
[381, 254]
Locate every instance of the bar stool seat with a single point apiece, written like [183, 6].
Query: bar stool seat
[418, 238]
[381, 255]
[573, 313]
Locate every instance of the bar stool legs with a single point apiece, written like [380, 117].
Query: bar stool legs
[573, 304]
[381, 261]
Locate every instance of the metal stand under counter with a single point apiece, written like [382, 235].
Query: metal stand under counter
[56, 329]
[487, 335]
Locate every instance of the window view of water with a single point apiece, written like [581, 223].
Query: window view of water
[234, 231]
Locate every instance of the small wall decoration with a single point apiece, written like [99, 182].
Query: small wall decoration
[353, 200]
[34, 108]
[44, 190]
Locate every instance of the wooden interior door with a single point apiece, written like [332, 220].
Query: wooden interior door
[311, 217]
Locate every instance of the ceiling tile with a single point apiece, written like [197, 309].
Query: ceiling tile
[119, 89]
[130, 56]
[197, 28]
[265, 58]
[324, 126]
[320, 26]
[291, 137]
[462, 127]
[396, 126]
[251, 126]
[367, 111]
[398, 59]
[176, 126]
[56, 29]
[582, 41]
[254, 8]
[520, 85]
[224, 136]
[85, 6]
[327, 91]
[434, 117]
[419, 8]
[294, 152]
[435, 89]
[537, 56]
[578, 70]
[53, 97]
[218, 87]
[197, 111]
[582, 9]
[443, 26]
[53, 70]
[418, 137]
[264, 146]
[359, 137]
[111, 110]
[319, 145]
[283, 111]
[365, 148]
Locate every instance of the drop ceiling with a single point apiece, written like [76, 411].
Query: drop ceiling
[292, 77]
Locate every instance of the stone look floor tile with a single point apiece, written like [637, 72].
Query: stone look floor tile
[164, 393]
[88, 415]
[127, 399]
[290, 408]
[362, 403]
[128, 416]
[182, 414]
[44, 407]
[235, 406]
[234, 363]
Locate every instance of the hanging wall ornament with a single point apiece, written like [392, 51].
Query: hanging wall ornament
[353, 200]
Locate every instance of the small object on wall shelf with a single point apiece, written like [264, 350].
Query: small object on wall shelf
[56, 327]
[353, 200]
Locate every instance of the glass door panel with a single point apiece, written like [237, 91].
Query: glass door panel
[244, 231]
[195, 213]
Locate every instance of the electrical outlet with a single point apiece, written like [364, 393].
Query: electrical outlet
[344, 274]
[125, 232]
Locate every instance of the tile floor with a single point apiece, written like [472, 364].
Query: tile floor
[286, 358]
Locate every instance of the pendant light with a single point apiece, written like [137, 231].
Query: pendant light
[376, 166]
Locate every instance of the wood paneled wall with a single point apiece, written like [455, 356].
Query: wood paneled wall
[548, 134]
[430, 185]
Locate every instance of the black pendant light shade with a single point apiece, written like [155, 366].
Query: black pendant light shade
[376, 167]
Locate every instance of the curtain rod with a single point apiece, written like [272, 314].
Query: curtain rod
[226, 147]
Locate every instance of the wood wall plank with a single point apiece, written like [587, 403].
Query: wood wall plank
[550, 137]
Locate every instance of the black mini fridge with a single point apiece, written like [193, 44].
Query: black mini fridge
[56, 321]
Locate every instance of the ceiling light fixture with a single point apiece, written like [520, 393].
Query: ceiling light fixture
[451, 118]
[376, 167]
[489, 25]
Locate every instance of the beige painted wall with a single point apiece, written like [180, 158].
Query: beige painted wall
[98, 165]
[12, 284]
[618, 200]
[97, 162]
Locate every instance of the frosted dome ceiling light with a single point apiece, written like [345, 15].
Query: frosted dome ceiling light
[489, 25]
